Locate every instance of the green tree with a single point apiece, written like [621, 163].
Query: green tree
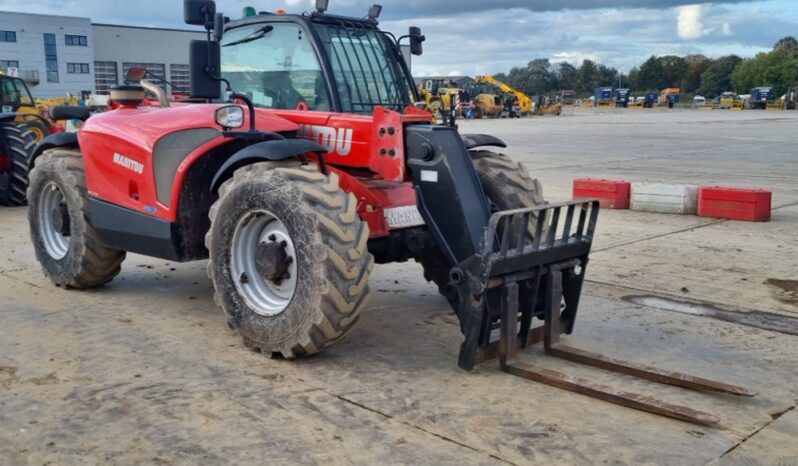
[717, 77]
[586, 78]
[650, 75]
[777, 68]
[696, 66]
[786, 43]
[566, 74]
[674, 71]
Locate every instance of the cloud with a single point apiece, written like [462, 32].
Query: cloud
[491, 36]
[689, 25]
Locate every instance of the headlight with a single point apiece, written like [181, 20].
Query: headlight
[230, 116]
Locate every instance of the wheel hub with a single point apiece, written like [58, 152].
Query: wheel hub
[60, 218]
[264, 262]
[53, 218]
[272, 260]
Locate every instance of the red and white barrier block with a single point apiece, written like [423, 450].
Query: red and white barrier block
[612, 194]
[664, 198]
[752, 205]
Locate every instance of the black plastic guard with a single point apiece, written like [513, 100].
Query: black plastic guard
[449, 194]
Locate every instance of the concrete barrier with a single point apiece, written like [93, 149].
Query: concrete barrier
[664, 198]
[612, 194]
[747, 204]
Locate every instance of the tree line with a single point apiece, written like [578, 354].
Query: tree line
[694, 74]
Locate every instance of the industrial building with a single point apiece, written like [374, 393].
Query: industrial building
[60, 55]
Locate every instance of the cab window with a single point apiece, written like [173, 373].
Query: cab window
[275, 65]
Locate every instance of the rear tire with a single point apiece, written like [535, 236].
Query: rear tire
[507, 185]
[324, 237]
[67, 245]
[18, 143]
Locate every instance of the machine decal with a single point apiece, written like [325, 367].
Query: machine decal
[336, 140]
[127, 162]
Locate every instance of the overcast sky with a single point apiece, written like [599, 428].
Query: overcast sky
[490, 36]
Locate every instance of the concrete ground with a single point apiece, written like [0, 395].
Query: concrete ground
[145, 370]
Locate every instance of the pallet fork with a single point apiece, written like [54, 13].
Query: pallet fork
[501, 288]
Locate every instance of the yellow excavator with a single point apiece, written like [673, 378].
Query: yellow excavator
[524, 101]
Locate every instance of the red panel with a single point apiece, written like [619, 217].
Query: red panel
[612, 194]
[752, 205]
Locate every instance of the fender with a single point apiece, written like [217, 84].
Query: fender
[67, 140]
[274, 150]
[472, 141]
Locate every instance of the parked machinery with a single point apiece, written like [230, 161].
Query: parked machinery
[524, 101]
[17, 101]
[438, 95]
[603, 97]
[567, 97]
[307, 172]
[731, 101]
[669, 97]
[622, 97]
[760, 98]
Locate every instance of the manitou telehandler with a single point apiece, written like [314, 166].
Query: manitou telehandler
[312, 165]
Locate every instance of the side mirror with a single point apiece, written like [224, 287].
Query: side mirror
[205, 65]
[135, 75]
[416, 38]
[218, 27]
[199, 12]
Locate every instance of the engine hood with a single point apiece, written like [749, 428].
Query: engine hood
[143, 126]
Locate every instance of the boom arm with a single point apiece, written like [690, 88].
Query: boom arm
[523, 100]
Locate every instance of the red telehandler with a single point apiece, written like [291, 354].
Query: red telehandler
[299, 160]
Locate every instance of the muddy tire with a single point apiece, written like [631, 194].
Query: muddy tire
[17, 143]
[279, 306]
[66, 244]
[507, 185]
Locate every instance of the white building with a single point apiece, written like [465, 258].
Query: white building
[60, 55]
[163, 52]
[54, 54]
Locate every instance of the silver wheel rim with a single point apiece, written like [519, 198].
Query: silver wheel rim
[50, 199]
[265, 297]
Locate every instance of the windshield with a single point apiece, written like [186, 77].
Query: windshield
[14, 92]
[275, 65]
[366, 68]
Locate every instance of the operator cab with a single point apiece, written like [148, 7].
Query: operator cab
[313, 61]
[14, 94]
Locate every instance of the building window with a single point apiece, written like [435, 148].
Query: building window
[51, 58]
[8, 36]
[6, 64]
[78, 68]
[179, 76]
[76, 40]
[105, 76]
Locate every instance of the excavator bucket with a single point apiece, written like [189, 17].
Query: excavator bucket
[531, 267]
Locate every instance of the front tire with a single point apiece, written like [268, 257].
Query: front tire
[17, 142]
[270, 212]
[66, 244]
[507, 185]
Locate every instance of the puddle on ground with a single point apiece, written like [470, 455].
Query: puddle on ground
[759, 319]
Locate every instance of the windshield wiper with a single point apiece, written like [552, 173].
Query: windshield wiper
[260, 33]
